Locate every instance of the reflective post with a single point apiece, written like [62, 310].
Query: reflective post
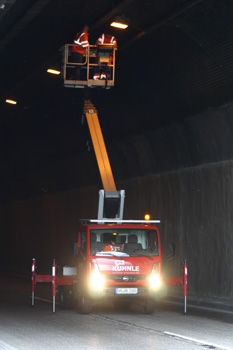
[54, 268]
[185, 286]
[33, 280]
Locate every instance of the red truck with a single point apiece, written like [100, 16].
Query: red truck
[120, 262]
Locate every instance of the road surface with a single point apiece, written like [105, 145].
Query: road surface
[23, 327]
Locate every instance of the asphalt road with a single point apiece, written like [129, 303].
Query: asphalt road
[23, 327]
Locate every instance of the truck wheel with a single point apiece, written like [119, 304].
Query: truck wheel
[61, 297]
[65, 297]
[85, 304]
[149, 306]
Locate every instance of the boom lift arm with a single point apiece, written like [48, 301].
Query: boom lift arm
[99, 146]
[111, 201]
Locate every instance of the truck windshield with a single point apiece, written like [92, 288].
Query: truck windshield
[122, 242]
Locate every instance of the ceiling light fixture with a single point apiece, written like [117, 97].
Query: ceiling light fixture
[53, 71]
[119, 22]
[12, 102]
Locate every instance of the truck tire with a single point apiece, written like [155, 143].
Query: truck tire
[61, 297]
[85, 304]
[149, 306]
[65, 297]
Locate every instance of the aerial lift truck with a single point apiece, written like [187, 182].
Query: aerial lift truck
[117, 260]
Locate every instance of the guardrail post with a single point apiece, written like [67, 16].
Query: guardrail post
[33, 280]
[185, 286]
[54, 268]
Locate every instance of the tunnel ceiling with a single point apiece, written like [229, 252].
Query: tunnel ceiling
[174, 60]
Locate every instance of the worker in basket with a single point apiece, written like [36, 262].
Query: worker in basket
[100, 71]
[79, 47]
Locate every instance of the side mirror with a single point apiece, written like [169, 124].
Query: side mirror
[171, 251]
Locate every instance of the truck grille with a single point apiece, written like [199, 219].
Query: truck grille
[126, 278]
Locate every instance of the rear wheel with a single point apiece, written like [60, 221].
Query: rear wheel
[149, 306]
[65, 296]
[85, 304]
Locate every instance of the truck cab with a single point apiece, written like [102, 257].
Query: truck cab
[119, 262]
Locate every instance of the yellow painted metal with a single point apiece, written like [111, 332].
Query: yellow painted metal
[100, 149]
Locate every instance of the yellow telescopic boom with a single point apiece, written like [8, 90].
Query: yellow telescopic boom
[99, 147]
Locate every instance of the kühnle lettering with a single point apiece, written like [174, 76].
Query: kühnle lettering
[125, 268]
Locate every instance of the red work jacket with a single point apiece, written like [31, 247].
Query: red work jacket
[80, 42]
[107, 39]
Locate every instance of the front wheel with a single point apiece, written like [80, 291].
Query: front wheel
[149, 306]
[85, 304]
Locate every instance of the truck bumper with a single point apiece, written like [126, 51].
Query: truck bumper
[142, 292]
[112, 293]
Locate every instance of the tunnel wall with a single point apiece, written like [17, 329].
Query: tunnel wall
[189, 187]
[194, 206]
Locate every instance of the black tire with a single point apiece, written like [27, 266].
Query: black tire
[61, 296]
[65, 297]
[85, 304]
[149, 306]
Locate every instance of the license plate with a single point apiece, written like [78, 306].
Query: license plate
[126, 290]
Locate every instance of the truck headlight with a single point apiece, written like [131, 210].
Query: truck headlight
[96, 279]
[154, 280]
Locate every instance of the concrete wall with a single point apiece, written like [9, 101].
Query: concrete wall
[182, 175]
[195, 207]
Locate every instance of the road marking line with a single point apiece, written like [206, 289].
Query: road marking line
[199, 341]
[46, 300]
[5, 346]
